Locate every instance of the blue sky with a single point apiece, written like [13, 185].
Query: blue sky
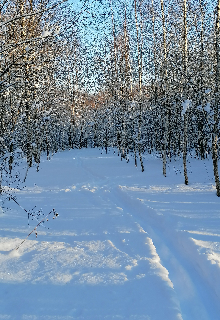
[92, 23]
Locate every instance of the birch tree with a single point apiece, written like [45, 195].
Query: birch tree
[185, 116]
[216, 106]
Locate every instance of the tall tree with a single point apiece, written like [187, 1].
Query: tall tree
[217, 102]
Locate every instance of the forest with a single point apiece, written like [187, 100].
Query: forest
[142, 76]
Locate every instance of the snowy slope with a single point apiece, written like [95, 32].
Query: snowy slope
[126, 244]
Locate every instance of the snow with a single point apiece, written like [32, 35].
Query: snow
[208, 107]
[46, 33]
[185, 105]
[126, 244]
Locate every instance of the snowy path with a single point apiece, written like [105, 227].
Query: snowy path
[126, 245]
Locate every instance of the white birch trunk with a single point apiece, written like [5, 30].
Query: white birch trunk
[164, 79]
[139, 86]
[127, 56]
[185, 136]
[217, 94]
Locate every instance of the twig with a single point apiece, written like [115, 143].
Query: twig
[55, 213]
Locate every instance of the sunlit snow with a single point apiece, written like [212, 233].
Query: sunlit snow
[126, 244]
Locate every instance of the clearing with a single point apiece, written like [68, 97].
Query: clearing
[126, 245]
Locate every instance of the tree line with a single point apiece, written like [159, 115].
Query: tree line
[151, 85]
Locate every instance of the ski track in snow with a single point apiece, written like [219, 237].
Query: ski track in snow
[179, 255]
[122, 249]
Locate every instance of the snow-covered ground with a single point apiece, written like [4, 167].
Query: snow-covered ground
[126, 245]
